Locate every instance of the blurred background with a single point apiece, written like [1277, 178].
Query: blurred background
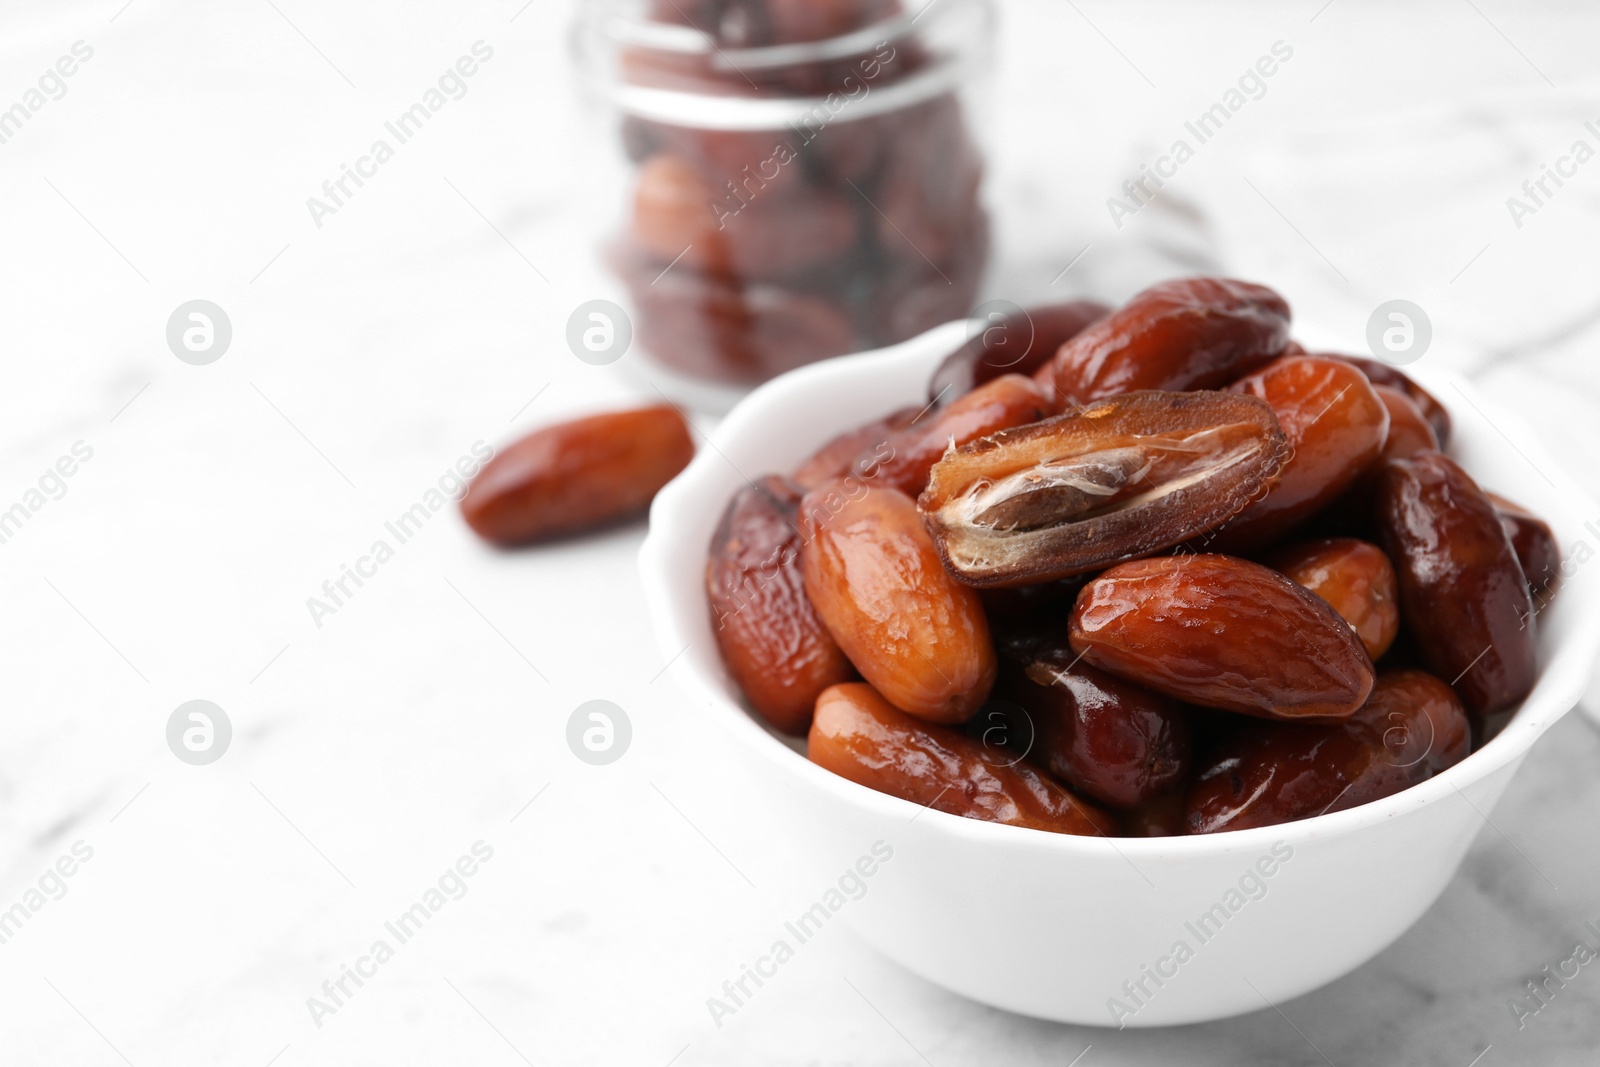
[423, 718]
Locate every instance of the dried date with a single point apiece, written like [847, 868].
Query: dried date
[1462, 591]
[1411, 728]
[858, 735]
[1353, 576]
[771, 639]
[874, 577]
[1007, 401]
[1019, 343]
[1117, 479]
[1222, 633]
[1191, 333]
[577, 475]
[1107, 738]
[1336, 427]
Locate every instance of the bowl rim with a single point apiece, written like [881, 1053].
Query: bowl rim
[1555, 693]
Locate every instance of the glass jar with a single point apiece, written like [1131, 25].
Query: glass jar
[805, 179]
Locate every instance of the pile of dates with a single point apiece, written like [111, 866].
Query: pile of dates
[1148, 571]
[751, 251]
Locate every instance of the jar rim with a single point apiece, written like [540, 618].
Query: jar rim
[614, 27]
[605, 29]
[686, 40]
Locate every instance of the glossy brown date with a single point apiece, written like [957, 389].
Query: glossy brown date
[1116, 479]
[858, 735]
[1013, 344]
[771, 639]
[1109, 739]
[1535, 544]
[874, 577]
[577, 475]
[870, 443]
[1353, 576]
[1380, 373]
[1222, 633]
[1409, 431]
[1411, 728]
[1336, 427]
[1462, 592]
[1007, 401]
[1191, 333]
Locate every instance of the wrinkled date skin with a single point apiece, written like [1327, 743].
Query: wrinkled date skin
[1356, 578]
[869, 443]
[1410, 729]
[1336, 426]
[1535, 544]
[771, 639]
[858, 735]
[1109, 739]
[1409, 431]
[1380, 373]
[874, 577]
[1191, 333]
[1223, 633]
[1013, 344]
[1117, 479]
[1007, 401]
[577, 476]
[1462, 592]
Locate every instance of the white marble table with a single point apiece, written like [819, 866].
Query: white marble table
[427, 713]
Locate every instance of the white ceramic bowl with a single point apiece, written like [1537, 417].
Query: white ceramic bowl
[1067, 928]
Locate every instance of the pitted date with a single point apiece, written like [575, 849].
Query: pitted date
[1109, 739]
[1017, 344]
[771, 639]
[1192, 333]
[1380, 373]
[1462, 592]
[869, 444]
[1336, 427]
[874, 578]
[1222, 633]
[1411, 728]
[1356, 578]
[1409, 431]
[1117, 479]
[1007, 401]
[1535, 544]
[577, 476]
[858, 735]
